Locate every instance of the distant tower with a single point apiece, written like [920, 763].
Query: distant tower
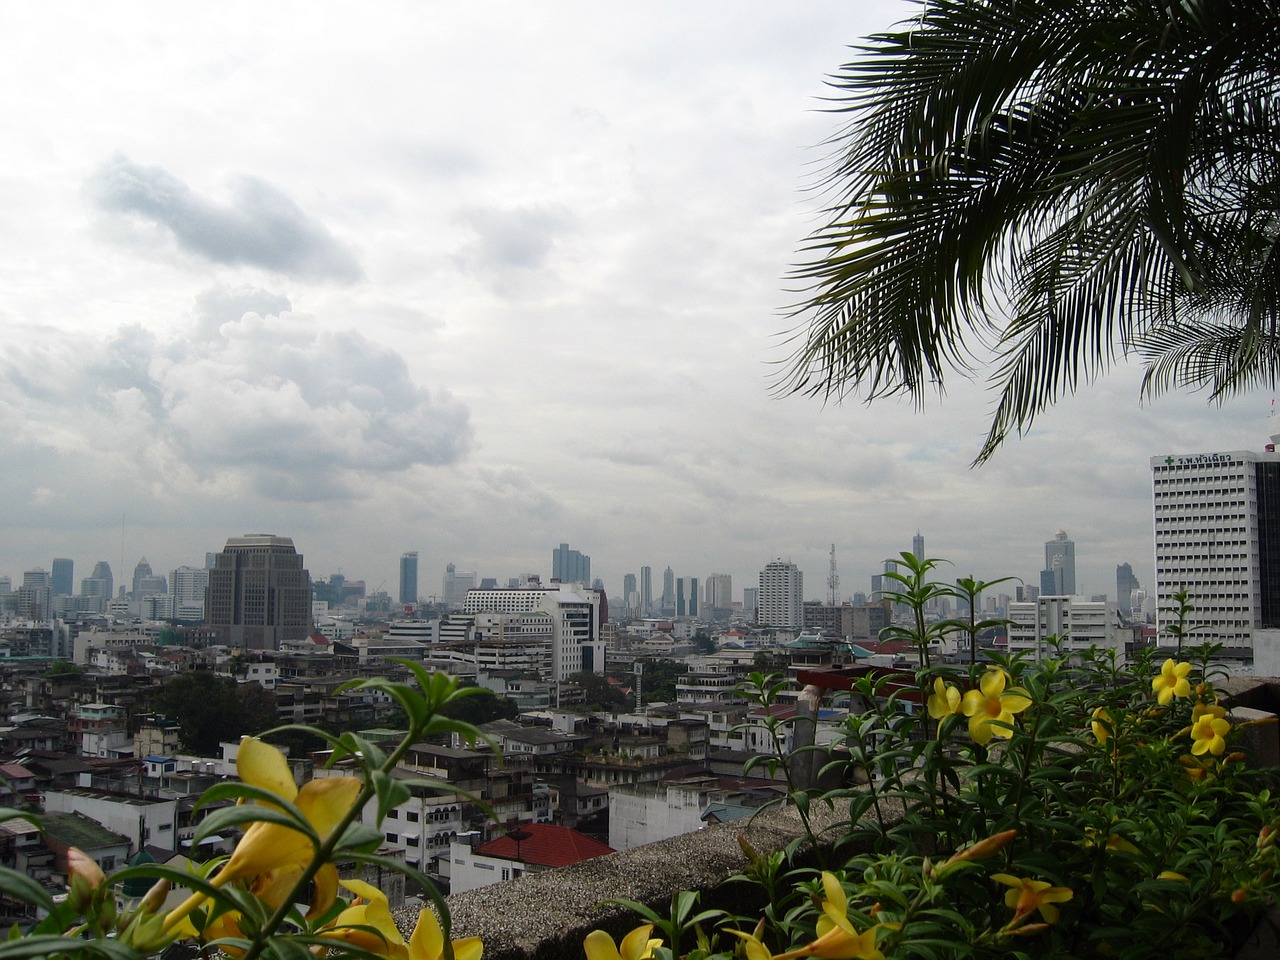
[570, 566]
[259, 593]
[1126, 584]
[917, 545]
[630, 596]
[693, 596]
[680, 608]
[833, 579]
[781, 598]
[409, 578]
[646, 591]
[668, 591]
[99, 583]
[63, 578]
[1059, 575]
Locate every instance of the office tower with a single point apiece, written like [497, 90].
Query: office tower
[718, 592]
[409, 578]
[680, 609]
[781, 599]
[99, 583]
[259, 593]
[570, 566]
[646, 591]
[146, 583]
[1126, 585]
[35, 596]
[917, 545]
[1217, 536]
[187, 586]
[1058, 578]
[668, 592]
[693, 596]
[453, 593]
[630, 596]
[750, 603]
[63, 580]
[6, 586]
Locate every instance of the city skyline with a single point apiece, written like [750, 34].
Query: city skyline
[249, 291]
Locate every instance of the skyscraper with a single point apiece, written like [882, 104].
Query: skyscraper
[917, 545]
[259, 593]
[570, 566]
[1126, 584]
[646, 591]
[99, 583]
[1217, 536]
[453, 593]
[63, 579]
[409, 578]
[668, 605]
[780, 602]
[680, 608]
[693, 596]
[718, 593]
[1058, 578]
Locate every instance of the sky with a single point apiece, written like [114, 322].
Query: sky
[475, 280]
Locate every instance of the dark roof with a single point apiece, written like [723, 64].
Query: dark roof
[77, 830]
[546, 845]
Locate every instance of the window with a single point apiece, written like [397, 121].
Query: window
[393, 838]
[412, 815]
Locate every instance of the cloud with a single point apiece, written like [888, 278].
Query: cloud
[511, 244]
[266, 403]
[260, 226]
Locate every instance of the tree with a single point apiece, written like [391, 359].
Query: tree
[481, 707]
[210, 709]
[1071, 181]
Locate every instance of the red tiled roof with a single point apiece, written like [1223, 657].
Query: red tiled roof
[547, 845]
[15, 771]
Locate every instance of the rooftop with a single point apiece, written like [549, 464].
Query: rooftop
[545, 845]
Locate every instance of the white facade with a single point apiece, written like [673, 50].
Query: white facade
[781, 599]
[577, 642]
[1212, 540]
[1076, 622]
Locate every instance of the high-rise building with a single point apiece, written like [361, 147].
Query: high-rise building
[1126, 585]
[576, 614]
[259, 593]
[680, 608]
[143, 569]
[917, 545]
[35, 596]
[453, 592]
[693, 596]
[750, 603]
[1217, 536]
[99, 583]
[1058, 578]
[718, 593]
[646, 591]
[570, 566]
[187, 587]
[63, 579]
[668, 605]
[781, 599]
[146, 583]
[409, 578]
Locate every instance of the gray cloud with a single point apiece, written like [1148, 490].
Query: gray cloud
[268, 404]
[511, 243]
[260, 226]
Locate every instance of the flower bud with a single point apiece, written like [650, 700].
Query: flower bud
[154, 898]
[81, 865]
[983, 849]
[1030, 930]
[1239, 896]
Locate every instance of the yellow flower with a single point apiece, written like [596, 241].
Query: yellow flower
[982, 850]
[636, 945]
[1102, 724]
[1207, 734]
[752, 945]
[270, 857]
[945, 699]
[1025, 896]
[836, 936]
[370, 909]
[1172, 681]
[991, 707]
[427, 941]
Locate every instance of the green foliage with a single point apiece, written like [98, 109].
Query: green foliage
[1078, 806]
[600, 693]
[482, 707]
[1067, 180]
[211, 709]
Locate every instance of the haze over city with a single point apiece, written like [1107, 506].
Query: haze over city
[473, 281]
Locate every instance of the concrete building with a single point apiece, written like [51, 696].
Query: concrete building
[577, 638]
[259, 593]
[1076, 622]
[1217, 536]
[781, 599]
[62, 577]
[454, 588]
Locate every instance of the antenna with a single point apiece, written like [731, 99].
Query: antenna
[639, 671]
[833, 579]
